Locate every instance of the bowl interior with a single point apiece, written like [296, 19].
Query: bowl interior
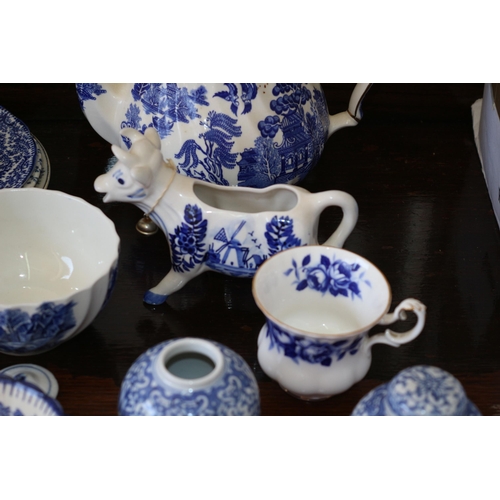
[53, 245]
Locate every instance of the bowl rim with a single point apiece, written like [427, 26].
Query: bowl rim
[114, 260]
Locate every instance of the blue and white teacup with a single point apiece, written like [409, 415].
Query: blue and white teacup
[320, 303]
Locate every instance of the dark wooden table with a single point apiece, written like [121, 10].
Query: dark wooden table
[425, 220]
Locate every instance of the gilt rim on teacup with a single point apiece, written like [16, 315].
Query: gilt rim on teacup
[319, 248]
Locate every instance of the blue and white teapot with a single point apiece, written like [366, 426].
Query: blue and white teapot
[237, 134]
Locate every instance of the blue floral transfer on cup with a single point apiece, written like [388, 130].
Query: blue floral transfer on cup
[333, 276]
[310, 350]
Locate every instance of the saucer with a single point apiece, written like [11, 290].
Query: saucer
[17, 151]
[41, 172]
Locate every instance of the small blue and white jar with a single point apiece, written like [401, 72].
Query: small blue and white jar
[189, 376]
[418, 391]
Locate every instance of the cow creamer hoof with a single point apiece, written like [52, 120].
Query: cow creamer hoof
[154, 299]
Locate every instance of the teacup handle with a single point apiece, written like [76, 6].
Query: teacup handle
[396, 339]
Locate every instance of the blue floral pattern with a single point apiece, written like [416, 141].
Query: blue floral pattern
[225, 252]
[335, 276]
[22, 333]
[312, 351]
[280, 236]
[186, 242]
[88, 92]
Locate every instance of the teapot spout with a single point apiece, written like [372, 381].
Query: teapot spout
[353, 114]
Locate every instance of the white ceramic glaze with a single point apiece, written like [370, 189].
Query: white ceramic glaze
[320, 304]
[58, 261]
[238, 134]
[222, 228]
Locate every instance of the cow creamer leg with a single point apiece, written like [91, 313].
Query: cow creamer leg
[172, 282]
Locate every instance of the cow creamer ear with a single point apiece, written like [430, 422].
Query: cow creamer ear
[123, 156]
[142, 174]
[153, 137]
[132, 134]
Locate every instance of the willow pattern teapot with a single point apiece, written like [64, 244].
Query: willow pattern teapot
[237, 134]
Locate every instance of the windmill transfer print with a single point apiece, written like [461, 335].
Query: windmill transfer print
[238, 257]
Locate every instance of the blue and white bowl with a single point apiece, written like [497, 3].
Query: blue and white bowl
[19, 398]
[58, 261]
[418, 391]
[189, 376]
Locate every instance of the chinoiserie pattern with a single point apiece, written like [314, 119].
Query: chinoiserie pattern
[290, 138]
[309, 350]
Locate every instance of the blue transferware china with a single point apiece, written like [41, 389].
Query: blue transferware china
[18, 151]
[58, 263]
[227, 229]
[36, 375]
[418, 391]
[20, 398]
[320, 304]
[238, 134]
[189, 376]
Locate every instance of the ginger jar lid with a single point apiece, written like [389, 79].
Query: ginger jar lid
[418, 391]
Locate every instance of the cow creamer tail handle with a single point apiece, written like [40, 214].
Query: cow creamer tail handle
[349, 218]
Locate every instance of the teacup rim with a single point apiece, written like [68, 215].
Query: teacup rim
[69, 296]
[306, 333]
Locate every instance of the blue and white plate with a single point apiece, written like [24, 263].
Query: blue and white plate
[17, 151]
[40, 175]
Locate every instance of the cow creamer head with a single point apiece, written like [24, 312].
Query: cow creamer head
[131, 177]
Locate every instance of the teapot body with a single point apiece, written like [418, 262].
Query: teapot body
[238, 134]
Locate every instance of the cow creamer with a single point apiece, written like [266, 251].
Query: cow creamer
[232, 230]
